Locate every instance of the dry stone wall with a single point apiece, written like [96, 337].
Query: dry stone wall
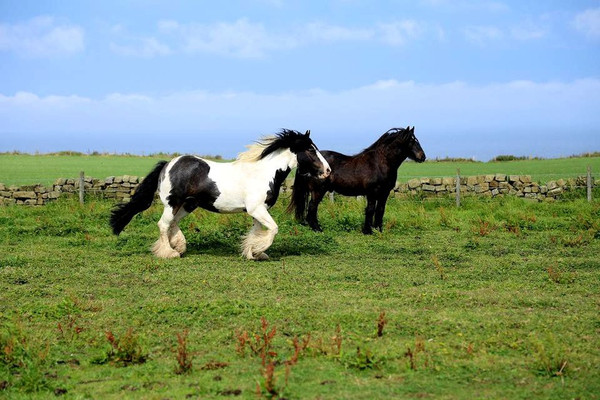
[121, 188]
[114, 187]
[491, 186]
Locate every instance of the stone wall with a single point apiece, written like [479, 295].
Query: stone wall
[114, 187]
[491, 186]
[120, 188]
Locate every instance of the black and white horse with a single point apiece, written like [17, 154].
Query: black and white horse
[249, 184]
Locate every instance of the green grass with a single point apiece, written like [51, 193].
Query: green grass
[540, 170]
[497, 299]
[23, 169]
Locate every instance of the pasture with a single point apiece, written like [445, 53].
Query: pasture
[497, 299]
[26, 169]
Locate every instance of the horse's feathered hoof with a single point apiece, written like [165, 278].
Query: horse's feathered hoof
[261, 257]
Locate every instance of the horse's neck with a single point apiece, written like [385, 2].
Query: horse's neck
[395, 159]
[283, 160]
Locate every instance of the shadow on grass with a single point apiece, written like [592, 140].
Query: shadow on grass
[225, 243]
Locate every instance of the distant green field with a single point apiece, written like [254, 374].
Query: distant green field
[23, 169]
[540, 170]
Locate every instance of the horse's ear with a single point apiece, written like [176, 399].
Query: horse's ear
[307, 133]
[413, 129]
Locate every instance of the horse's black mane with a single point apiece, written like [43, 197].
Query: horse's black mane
[284, 139]
[388, 137]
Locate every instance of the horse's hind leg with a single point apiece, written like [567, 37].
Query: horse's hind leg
[162, 247]
[176, 237]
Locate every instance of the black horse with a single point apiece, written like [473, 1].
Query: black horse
[371, 173]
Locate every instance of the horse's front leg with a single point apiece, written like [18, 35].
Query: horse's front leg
[312, 216]
[379, 211]
[369, 211]
[258, 240]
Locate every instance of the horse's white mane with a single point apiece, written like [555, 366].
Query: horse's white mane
[255, 150]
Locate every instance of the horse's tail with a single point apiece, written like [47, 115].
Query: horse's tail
[299, 199]
[141, 200]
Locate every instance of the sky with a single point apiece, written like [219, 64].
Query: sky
[477, 79]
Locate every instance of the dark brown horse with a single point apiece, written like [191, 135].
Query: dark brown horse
[371, 173]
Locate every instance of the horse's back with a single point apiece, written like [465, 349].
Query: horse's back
[355, 175]
[190, 185]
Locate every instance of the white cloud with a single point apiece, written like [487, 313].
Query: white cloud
[319, 31]
[241, 38]
[528, 32]
[246, 39]
[455, 118]
[478, 5]
[481, 35]
[397, 33]
[143, 47]
[588, 23]
[42, 36]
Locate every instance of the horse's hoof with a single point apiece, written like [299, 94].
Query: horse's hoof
[261, 257]
[367, 231]
[171, 254]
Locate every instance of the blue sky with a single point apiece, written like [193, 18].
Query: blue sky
[476, 78]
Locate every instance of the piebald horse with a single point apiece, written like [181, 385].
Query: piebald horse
[249, 184]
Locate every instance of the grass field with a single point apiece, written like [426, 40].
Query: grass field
[23, 169]
[497, 299]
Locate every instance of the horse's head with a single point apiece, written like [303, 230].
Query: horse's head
[310, 160]
[413, 148]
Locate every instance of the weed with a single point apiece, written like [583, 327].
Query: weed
[184, 358]
[26, 363]
[446, 220]
[242, 340]
[363, 359]
[262, 346]
[483, 227]
[418, 356]
[557, 275]
[299, 348]
[579, 240]
[550, 357]
[438, 267]
[381, 323]
[469, 349]
[268, 388]
[337, 340]
[124, 351]
[69, 330]
[513, 228]
[263, 342]
[214, 365]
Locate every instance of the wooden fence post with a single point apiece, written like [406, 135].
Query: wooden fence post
[589, 184]
[458, 187]
[81, 186]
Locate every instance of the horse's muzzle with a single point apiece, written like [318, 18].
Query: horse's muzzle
[325, 173]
